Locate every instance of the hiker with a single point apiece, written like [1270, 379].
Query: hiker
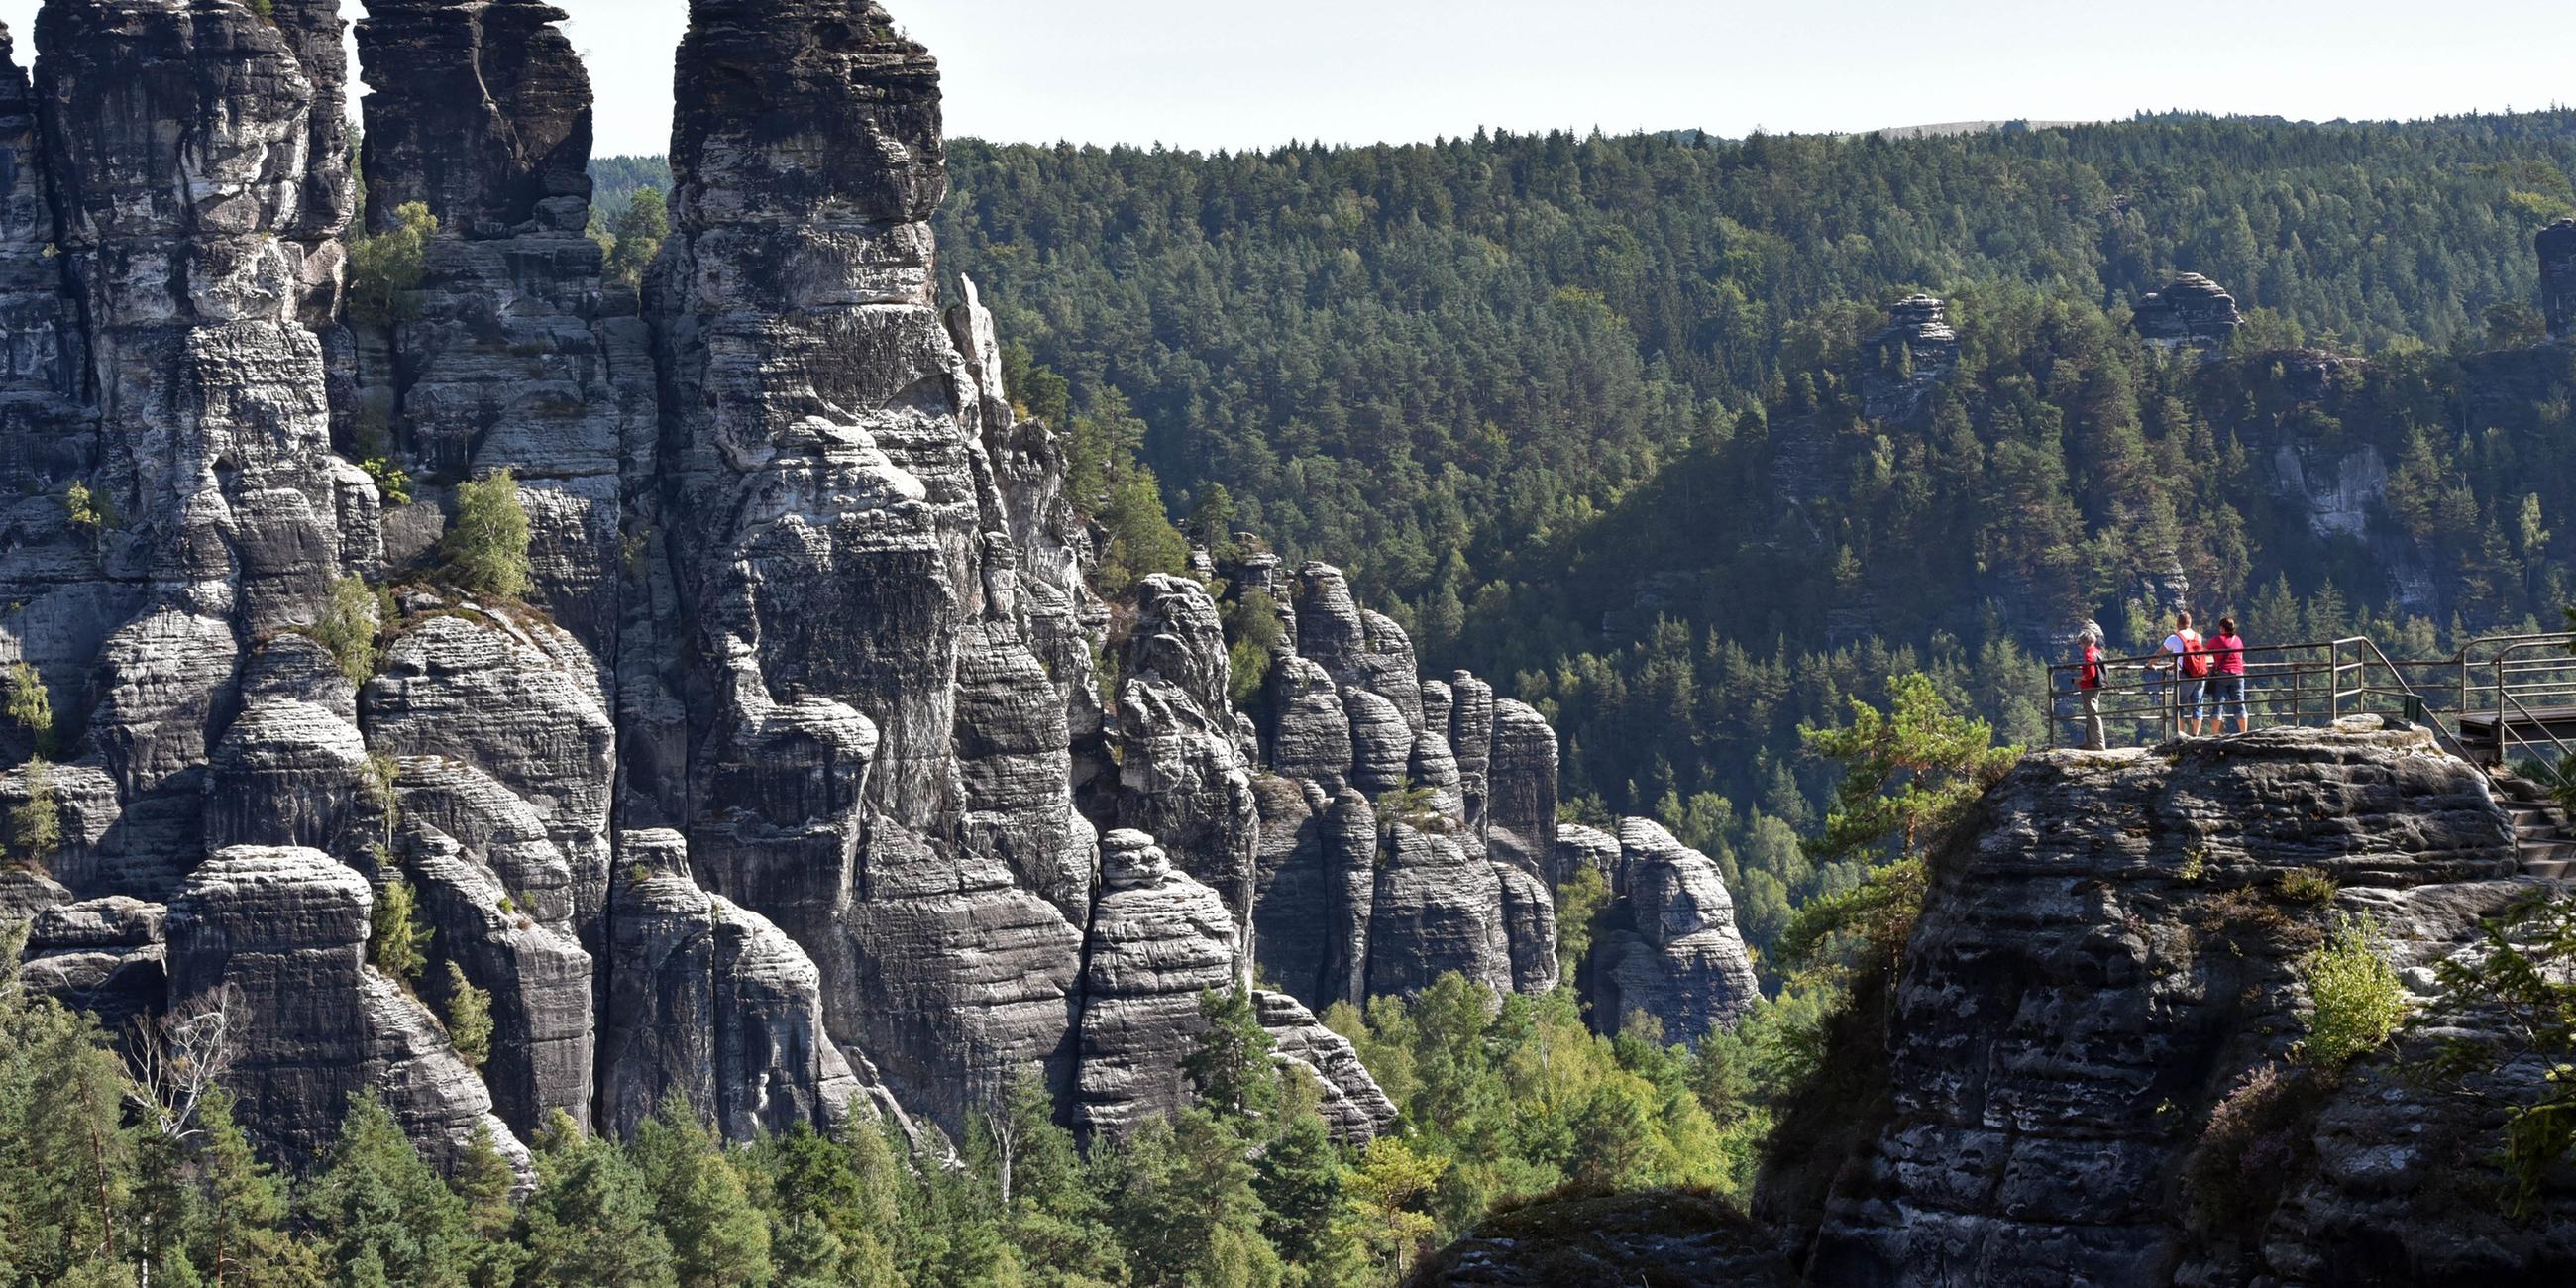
[2088, 691]
[2191, 671]
[2227, 684]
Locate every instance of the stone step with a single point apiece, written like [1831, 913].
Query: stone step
[2553, 869]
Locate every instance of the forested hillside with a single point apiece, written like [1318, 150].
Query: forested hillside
[1530, 391]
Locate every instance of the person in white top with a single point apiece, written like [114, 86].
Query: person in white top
[2191, 673]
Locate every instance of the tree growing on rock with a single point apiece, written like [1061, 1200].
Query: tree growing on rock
[36, 825]
[384, 267]
[1908, 773]
[30, 708]
[486, 548]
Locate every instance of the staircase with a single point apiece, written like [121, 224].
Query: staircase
[2542, 838]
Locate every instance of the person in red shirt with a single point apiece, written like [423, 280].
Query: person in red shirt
[2088, 691]
[2227, 678]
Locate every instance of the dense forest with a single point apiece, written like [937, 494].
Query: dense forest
[120, 1173]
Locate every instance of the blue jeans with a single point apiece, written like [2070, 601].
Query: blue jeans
[2227, 697]
[2193, 702]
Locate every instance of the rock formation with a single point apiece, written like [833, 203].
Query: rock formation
[1407, 828]
[2557, 244]
[2105, 957]
[1668, 946]
[2190, 312]
[2088, 1069]
[1908, 359]
[782, 788]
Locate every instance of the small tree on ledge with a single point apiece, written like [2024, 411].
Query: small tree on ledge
[486, 550]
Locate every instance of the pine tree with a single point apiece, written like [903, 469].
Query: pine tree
[379, 1214]
[484, 1181]
[1299, 1181]
[1230, 1064]
[717, 1238]
[1183, 1203]
[241, 1239]
[591, 1218]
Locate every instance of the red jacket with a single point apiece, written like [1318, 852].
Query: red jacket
[2231, 654]
[2089, 676]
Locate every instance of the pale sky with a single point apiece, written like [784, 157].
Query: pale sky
[1227, 73]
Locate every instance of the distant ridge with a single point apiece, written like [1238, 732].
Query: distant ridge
[1970, 127]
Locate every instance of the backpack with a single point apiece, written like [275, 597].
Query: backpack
[2195, 658]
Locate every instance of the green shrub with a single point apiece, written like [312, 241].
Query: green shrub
[486, 549]
[88, 509]
[348, 626]
[637, 236]
[36, 825]
[397, 944]
[1252, 623]
[2356, 1000]
[1578, 901]
[384, 267]
[1413, 805]
[392, 481]
[30, 708]
[469, 1017]
[2307, 885]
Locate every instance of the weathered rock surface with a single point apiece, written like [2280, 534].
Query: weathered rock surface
[1667, 1238]
[2106, 955]
[779, 791]
[1461, 877]
[1907, 360]
[1668, 946]
[2190, 311]
[1353, 1104]
[1181, 774]
[2557, 245]
[281, 934]
[1158, 940]
[710, 1001]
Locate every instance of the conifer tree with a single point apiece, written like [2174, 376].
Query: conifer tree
[379, 1214]
[718, 1239]
[591, 1218]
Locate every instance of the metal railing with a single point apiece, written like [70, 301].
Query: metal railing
[2498, 700]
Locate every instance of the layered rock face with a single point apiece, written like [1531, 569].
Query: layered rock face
[2557, 244]
[1911, 357]
[2191, 311]
[784, 789]
[1668, 947]
[2107, 955]
[1407, 828]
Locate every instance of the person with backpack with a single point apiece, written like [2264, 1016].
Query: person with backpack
[2191, 670]
[2088, 691]
[2227, 678]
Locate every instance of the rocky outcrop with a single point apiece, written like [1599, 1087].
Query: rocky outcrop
[281, 935]
[779, 790]
[1352, 1103]
[1906, 361]
[1668, 947]
[1457, 872]
[2557, 245]
[1158, 941]
[2190, 312]
[2104, 959]
[511, 352]
[711, 1002]
[1668, 1238]
[1181, 776]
